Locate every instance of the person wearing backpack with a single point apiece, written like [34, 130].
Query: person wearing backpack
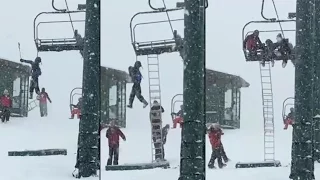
[136, 77]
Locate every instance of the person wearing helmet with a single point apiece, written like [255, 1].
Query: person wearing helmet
[289, 120]
[43, 98]
[76, 109]
[252, 43]
[35, 73]
[6, 104]
[136, 78]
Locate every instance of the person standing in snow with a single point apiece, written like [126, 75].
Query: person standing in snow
[113, 134]
[6, 105]
[43, 98]
[215, 134]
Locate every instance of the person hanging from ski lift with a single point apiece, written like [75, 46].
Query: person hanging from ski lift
[79, 41]
[35, 73]
[215, 134]
[113, 134]
[289, 120]
[136, 77]
[6, 105]
[76, 109]
[156, 111]
[178, 117]
[43, 98]
[283, 49]
[252, 44]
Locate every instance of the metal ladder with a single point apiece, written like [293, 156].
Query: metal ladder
[268, 113]
[31, 105]
[155, 94]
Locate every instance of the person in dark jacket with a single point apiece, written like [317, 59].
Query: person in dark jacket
[43, 100]
[283, 48]
[165, 131]
[6, 105]
[252, 43]
[79, 41]
[136, 77]
[113, 134]
[35, 73]
[156, 111]
[76, 109]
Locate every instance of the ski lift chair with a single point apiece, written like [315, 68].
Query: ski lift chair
[56, 44]
[153, 47]
[72, 95]
[260, 53]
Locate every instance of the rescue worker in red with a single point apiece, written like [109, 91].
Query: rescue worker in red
[43, 98]
[178, 117]
[5, 104]
[289, 120]
[76, 109]
[252, 43]
[215, 134]
[113, 134]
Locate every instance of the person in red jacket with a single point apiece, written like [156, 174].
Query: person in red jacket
[289, 120]
[113, 134]
[252, 43]
[6, 104]
[76, 109]
[215, 134]
[43, 98]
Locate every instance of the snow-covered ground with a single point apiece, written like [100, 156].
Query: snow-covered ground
[60, 132]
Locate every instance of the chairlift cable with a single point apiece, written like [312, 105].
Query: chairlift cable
[164, 5]
[69, 15]
[276, 11]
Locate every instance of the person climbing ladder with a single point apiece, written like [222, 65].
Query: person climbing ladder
[136, 77]
[35, 73]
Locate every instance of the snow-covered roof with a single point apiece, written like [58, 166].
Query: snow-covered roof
[5, 64]
[225, 79]
[115, 73]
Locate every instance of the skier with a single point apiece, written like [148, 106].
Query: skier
[6, 104]
[43, 97]
[165, 131]
[76, 109]
[252, 43]
[289, 120]
[113, 134]
[215, 134]
[178, 118]
[136, 77]
[35, 73]
[155, 118]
